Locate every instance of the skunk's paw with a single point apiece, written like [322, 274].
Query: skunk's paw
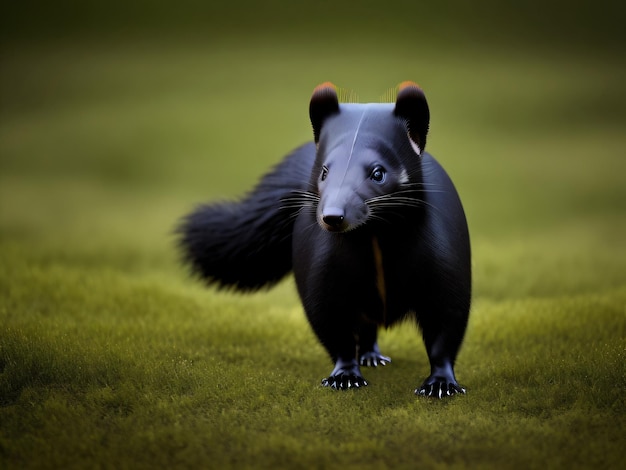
[374, 359]
[344, 381]
[439, 388]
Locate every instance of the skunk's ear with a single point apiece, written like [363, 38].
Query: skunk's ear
[324, 103]
[411, 106]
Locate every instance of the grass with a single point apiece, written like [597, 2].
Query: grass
[111, 357]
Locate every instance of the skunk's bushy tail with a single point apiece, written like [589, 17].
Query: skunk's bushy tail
[246, 245]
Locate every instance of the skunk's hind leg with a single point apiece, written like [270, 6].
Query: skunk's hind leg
[369, 352]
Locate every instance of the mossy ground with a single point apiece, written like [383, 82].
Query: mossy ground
[112, 357]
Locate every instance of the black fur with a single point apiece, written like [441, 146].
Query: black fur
[370, 224]
[247, 244]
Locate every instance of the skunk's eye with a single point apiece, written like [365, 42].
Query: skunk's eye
[324, 173]
[378, 174]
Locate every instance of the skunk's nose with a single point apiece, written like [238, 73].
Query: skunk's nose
[333, 218]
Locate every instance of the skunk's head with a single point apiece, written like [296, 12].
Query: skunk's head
[367, 155]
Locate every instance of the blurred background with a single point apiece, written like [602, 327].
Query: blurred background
[117, 117]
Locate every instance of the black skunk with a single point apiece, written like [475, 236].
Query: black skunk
[372, 227]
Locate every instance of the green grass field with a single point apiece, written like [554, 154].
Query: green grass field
[111, 356]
